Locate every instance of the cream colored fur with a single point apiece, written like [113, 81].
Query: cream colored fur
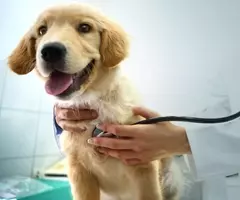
[109, 92]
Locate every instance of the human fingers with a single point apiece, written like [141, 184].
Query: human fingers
[111, 143]
[72, 126]
[121, 130]
[74, 114]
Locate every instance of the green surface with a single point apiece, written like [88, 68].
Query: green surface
[61, 191]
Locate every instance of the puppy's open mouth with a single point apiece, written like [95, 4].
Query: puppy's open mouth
[62, 84]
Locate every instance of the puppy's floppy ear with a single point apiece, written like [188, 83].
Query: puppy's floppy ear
[23, 58]
[114, 44]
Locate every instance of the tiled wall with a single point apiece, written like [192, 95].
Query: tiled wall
[27, 142]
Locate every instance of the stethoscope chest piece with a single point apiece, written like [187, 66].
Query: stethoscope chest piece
[99, 133]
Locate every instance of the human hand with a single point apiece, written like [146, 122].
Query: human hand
[142, 143]
[73, 120]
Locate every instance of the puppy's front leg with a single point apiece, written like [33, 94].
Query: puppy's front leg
[84, 185]
[147, 182]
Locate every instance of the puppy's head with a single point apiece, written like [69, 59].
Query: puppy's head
[67, 46]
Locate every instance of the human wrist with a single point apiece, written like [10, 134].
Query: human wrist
[182, 146]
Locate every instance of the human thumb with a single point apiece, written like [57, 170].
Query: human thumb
[144, 112]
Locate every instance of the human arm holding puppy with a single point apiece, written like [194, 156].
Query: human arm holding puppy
[145, 142]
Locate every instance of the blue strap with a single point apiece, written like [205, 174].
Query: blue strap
[57, 130]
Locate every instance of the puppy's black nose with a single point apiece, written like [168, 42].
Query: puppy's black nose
[53, 52]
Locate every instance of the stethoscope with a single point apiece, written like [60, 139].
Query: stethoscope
[99, 133]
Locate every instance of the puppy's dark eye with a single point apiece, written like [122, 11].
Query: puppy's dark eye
[42, 30]
[84, 28]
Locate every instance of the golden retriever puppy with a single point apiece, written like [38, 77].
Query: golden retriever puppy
[77, 51]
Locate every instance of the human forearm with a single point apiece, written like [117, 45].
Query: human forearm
[182, 145]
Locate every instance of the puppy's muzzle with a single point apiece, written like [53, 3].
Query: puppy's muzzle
[54, 52]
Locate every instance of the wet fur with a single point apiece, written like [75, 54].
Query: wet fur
[109, 92]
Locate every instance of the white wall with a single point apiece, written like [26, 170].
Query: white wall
[176, 46]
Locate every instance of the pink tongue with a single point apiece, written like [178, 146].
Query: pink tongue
[58, 83]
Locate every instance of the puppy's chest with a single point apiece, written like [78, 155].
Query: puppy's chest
[111, 175]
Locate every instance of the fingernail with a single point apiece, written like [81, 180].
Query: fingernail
[93, 113]
[90, 141]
